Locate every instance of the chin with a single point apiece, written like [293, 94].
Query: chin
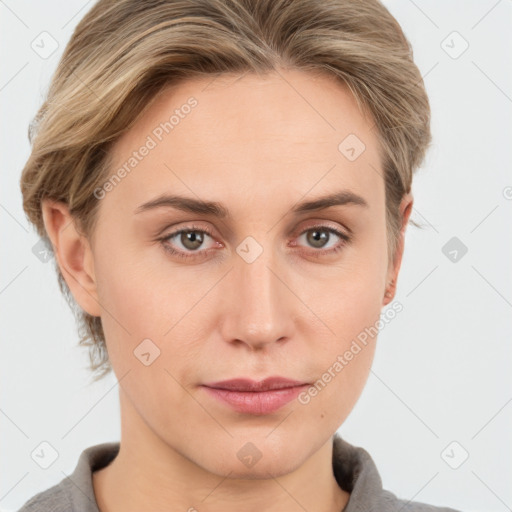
[253, 457]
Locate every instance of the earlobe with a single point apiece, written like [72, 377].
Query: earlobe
[73, 254]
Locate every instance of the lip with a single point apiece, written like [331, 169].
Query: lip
[256, 397]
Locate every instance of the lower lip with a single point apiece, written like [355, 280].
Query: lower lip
[256, 402]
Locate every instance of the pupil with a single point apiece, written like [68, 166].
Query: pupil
[193, 237]
[319, 236]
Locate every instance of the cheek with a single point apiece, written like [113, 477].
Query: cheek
[128, 300]
[350, 306]
[144, 297]
[349, 298]
[353, 318]
[342, 362]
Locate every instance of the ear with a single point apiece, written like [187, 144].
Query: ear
[73, 254]
[394, 266]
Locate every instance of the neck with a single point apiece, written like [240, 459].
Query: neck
[149, 474]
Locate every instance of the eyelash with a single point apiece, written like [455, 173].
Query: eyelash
[345, 239]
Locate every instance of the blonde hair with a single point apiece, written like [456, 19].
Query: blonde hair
[124, 52]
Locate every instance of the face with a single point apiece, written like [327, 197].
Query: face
[261, 284]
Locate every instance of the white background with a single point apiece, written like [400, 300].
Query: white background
[442, 367]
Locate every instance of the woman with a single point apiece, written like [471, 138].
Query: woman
[226, 186]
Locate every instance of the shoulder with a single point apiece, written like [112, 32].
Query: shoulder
[390, 503]
[55, 499]
[357, 473]
[75, 492]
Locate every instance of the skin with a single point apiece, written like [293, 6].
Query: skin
[258, 145]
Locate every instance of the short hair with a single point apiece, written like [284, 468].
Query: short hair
[124, 52]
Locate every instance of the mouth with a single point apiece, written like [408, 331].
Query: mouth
[256, 397]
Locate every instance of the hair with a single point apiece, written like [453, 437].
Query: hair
[123, 53]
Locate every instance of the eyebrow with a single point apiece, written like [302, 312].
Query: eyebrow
[202, 207]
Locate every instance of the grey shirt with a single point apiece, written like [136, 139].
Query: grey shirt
[354, 469]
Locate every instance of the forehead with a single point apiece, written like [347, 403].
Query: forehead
[250, 135]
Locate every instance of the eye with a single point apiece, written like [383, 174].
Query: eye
[192, 240]
[319, 236]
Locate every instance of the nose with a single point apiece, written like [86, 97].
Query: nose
[259, 308]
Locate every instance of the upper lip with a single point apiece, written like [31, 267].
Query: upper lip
[267, 384]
